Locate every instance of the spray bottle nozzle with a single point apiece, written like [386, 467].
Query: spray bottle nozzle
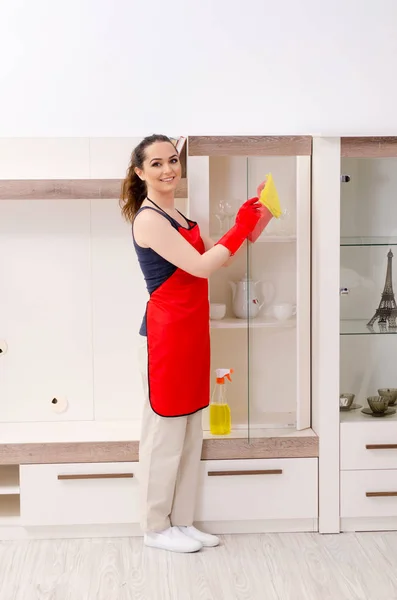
[221, 374]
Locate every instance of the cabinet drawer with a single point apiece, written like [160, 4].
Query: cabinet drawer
[370, 445]
[369, 493]
[77, 494]
[258, 489]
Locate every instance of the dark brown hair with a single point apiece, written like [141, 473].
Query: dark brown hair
[134, 190]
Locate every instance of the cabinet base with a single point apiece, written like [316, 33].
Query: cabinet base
[133, 530]
[349, 524]
[262, 526]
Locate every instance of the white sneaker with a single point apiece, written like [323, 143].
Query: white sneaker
[206, 539]
[172, 539]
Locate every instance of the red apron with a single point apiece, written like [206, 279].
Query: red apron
[178, 336]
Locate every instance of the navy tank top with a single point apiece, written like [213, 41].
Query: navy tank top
[156, 269]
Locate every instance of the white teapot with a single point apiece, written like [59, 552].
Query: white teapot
[245, 301]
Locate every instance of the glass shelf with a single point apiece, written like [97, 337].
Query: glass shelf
[260, 323]
[264, 238]
[359, 327]
[276, 239]
[369, 241]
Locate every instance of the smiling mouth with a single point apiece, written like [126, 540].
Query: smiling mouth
[167, 180]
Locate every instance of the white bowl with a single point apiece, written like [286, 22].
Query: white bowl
[217, 311]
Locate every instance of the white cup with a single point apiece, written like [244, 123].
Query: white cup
[284, 311]
[217, 311]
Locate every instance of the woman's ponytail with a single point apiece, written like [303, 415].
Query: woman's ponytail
[134, 191]
[133, 194]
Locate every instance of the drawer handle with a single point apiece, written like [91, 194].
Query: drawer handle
[380, 494]
[96, 476]
[381, 446]
[227, 473]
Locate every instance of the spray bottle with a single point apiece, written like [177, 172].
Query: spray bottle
[220, 419]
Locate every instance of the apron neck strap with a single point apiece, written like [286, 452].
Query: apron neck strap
[156, 205]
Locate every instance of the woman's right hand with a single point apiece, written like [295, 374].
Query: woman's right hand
[248, 215]
[246, 220]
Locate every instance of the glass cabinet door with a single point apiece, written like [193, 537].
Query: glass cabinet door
[228, 189]
[368, 309]
[278, 267]
[260, 302]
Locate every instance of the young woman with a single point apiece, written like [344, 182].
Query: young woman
[176, 261]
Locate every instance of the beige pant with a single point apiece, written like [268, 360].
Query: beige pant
[169, 457]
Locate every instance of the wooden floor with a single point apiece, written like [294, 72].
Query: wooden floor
[249, 567]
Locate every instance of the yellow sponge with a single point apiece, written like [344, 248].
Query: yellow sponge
[269, 197]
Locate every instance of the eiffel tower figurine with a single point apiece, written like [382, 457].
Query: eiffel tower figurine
[386, 312]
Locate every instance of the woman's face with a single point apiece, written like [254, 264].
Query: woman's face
[161, 168]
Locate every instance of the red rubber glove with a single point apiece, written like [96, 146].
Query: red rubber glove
[246, 221]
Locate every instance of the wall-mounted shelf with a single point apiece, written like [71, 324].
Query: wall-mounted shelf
[68, 189]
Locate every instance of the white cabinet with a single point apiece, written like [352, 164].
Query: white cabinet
[71, 303]
[354, 245]
[368, 445]
[234, 495]
[79, 494]
[258, 490]
[367, 244]
[45, 310]
[369, 494]
[369, 474]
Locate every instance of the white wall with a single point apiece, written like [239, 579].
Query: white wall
[123, 67]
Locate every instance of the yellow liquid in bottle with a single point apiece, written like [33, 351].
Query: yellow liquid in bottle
[220, 421]
[228, 420]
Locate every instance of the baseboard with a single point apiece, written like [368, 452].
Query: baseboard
[133, 530]
[262, 526]
[70, 532]
[368, 524]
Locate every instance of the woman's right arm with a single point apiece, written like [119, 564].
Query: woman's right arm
[154, 231]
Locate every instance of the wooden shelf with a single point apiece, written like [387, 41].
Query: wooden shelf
[68, 189]
[369, 147]
[214, 145]
[264, 443]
